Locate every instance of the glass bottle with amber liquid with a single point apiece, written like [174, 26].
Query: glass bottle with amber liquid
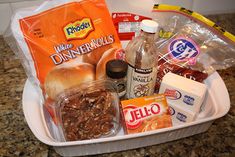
[142, 56]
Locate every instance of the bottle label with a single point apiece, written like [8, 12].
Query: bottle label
[140, 82]
[121, 87]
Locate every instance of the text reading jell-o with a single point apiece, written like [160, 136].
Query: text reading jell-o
[146, 113]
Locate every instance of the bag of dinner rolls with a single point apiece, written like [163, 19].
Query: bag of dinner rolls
[64, 43]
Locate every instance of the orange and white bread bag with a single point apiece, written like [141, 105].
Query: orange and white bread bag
[62, 42]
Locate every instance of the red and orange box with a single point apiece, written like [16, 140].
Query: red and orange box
[146, 114]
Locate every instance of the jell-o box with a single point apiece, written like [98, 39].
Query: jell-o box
[185, 96]
[146, 114]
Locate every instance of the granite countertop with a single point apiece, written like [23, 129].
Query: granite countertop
[16, 139]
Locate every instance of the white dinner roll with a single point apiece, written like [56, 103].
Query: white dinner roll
[62, 78]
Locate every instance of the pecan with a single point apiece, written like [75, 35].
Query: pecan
[88, 115]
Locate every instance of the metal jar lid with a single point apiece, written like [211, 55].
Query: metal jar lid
[116, 69]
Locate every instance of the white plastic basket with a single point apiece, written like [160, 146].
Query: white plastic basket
[216, 105]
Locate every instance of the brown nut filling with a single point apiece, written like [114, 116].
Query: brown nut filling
[88, 115]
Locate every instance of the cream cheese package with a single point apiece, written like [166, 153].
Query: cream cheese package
[181, 116]
[183, 94]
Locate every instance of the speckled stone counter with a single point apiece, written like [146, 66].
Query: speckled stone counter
[16, 139]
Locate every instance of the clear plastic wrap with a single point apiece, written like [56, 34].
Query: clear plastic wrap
[191, 45]
[88, 111]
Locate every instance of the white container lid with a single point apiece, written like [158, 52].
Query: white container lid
[149, 26]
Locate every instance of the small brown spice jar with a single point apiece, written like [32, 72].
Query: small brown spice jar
[116, 71]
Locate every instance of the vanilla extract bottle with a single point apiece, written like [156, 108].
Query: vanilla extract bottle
[142, 56]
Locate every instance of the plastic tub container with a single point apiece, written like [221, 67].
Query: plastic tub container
[87, 111]
[216, 105]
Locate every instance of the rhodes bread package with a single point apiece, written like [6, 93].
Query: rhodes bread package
[65, 43]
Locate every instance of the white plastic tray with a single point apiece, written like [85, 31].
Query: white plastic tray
[217, 104]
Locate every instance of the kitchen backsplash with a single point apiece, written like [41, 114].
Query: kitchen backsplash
[8, 7]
